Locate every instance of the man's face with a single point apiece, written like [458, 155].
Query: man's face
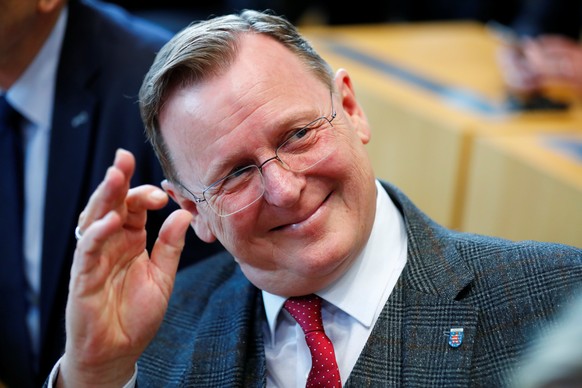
[308, 227]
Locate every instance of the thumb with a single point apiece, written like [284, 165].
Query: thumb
[168, 247]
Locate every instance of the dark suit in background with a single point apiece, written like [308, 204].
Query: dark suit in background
[104, 56]
[500, 292]
[538, 17]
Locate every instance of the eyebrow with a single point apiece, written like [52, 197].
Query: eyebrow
[223, 166]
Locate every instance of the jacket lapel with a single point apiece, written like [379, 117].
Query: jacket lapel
[380, 363]
[410, 341]
[434, 351]
[69, 150]
[72, 130]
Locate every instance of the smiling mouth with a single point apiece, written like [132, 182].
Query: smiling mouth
[290, 225]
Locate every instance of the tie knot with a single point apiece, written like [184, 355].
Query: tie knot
[306, 310]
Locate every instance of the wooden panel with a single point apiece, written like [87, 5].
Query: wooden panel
[527, 187]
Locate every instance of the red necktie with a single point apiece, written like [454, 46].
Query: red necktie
[307, 312]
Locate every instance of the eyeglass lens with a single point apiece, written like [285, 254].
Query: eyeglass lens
[301, 151]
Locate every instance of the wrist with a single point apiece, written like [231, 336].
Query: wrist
[113, 374]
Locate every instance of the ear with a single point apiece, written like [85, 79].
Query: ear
[352, 109]
[199, 221]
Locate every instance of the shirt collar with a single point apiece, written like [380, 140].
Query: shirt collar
[366, 280]
[33, 93]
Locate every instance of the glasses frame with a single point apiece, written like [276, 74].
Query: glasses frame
[202, 199]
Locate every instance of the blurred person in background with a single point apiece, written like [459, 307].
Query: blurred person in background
[541, 48]
[532, 65]
[533, 18]
[71, 71]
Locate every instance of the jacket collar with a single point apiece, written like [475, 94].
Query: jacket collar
[411, 338]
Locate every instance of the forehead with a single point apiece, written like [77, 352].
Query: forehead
[265, 84]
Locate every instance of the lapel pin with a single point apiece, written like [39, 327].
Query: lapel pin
[80, 119]
[456, 337]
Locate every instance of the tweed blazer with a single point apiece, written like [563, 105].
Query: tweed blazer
[500, 292]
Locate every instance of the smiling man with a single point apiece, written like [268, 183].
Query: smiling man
[263, 147]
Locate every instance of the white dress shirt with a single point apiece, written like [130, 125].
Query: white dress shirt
[351, 305]
[32, 95]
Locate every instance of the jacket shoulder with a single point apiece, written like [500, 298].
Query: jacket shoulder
[211, 310]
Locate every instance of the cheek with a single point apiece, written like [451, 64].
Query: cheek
[353, 170]
[234, 231]
[350, 161]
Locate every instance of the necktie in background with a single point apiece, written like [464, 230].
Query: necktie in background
[306, 310]
[14, 340]
[11, 181]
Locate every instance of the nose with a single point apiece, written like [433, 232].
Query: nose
[282, 187]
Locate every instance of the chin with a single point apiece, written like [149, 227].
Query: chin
[325, 262]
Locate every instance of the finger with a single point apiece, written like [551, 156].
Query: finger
[90, 247]
[124, 161]
[141, 199]
[111, 192]
[168, 247]
[539, 61]
[517, 72]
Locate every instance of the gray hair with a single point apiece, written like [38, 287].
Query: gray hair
[208, 48]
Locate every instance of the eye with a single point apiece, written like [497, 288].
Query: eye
[238, 172]
[300, 134]
[238, 169]
[304, 137]
[232, 182]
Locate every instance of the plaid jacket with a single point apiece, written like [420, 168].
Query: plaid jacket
[501, 293]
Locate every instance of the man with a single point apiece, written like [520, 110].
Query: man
[263, 147]
[73, 72]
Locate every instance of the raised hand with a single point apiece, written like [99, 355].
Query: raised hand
[557, 59]
[118, 294]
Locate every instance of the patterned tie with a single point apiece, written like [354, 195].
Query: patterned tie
[307, 312]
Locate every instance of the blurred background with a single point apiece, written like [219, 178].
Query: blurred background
[527, 16]
[474, 105]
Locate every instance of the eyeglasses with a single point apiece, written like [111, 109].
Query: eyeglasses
[301, 151]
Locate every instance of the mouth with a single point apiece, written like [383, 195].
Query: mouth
[303, 220]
